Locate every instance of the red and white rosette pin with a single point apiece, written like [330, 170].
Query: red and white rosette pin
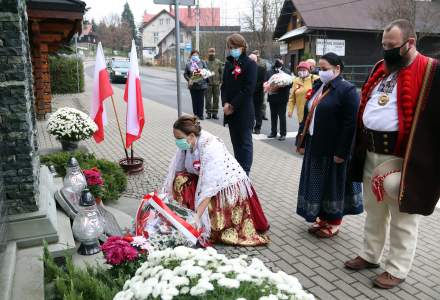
[196, 165]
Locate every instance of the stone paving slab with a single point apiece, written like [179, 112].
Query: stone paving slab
[318, 264]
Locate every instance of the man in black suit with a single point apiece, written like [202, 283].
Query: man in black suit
[237, 90]
[258, 94]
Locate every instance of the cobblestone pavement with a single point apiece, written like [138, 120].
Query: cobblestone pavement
[318, 264]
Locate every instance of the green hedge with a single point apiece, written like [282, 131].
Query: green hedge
[115, 180]
[63, 76]
[70, 282]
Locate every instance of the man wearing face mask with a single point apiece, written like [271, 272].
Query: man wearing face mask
[214, 82]
[301, 85]
[278, 103]
[397, 121]
[237, 90]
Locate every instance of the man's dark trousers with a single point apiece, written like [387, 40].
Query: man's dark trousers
[258, 103]
[278, 111]
[241, 139]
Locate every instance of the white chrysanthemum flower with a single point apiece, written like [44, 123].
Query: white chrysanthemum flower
[181, 252]
[127, 295]
[184, 290]
[178, 281]
[244, 277]
[229, 283]
[216, 276]
[194, 271]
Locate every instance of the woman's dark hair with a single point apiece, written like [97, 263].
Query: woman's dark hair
[188, 125]
[333, 59]
[194, 51]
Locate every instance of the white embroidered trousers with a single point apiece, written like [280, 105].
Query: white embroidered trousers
[383, 217]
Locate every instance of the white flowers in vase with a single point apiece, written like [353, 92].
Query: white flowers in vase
[71, 124]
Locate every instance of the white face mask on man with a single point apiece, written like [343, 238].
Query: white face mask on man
[326, 76]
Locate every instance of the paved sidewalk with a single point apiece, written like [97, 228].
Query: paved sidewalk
[318, 264]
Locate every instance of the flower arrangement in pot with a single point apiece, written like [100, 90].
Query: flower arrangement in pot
[95, 183]
[70, 126]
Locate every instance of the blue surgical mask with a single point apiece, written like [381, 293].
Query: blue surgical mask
[183, 144]
[235, 53]
[195, 58]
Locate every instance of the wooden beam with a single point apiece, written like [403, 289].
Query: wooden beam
[57, 26]
[54, 14]
[49, 38]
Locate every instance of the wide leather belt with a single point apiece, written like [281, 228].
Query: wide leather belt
[382, 142]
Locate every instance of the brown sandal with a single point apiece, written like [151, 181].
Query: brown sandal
[317, 226]
[326, 232]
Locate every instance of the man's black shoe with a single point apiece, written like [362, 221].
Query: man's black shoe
[271, 136]
[282, 138]
[215, 117]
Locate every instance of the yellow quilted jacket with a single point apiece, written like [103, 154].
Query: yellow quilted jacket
[297, 98]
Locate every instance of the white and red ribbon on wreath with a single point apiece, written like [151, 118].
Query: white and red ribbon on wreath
[180, 224]
[377, 185]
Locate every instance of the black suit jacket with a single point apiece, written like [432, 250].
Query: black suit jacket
[239, 91]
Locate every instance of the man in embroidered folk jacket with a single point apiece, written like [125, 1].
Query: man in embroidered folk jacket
[397, 118]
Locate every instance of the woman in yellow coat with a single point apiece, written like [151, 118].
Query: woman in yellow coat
[301, 85]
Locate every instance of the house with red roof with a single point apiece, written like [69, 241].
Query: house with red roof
[158, 31]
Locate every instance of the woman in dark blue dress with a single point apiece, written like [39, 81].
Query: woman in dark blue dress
[325, 193]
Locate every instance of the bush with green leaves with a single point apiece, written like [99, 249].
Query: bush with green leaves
[67, 282]
[64, 76]
[115, 180]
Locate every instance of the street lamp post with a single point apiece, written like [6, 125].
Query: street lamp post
[179, 92]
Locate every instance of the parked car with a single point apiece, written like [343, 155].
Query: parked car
[118, 69]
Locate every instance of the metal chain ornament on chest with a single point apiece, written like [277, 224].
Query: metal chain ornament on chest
[386, 87]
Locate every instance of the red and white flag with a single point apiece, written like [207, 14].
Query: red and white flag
[133, 97]
[102, 89]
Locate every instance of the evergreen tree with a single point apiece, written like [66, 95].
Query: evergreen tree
[127, 17]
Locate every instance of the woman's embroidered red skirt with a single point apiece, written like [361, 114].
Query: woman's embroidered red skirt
[243, 224]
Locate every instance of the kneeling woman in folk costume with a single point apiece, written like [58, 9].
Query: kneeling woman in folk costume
[206, 178]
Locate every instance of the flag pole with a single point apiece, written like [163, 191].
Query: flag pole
[119, 127]
[132, 152]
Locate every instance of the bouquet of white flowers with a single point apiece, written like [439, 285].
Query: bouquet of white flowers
[71, 124]
[200, 74]
[185, 273]
[277, 81]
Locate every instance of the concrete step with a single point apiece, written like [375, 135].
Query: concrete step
[66, 243]
[29, 275]
[7, 270]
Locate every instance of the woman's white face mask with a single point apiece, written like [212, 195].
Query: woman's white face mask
[327, 76]
[303, 73]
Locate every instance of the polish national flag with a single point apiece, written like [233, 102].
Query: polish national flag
[102, 89]
[133, 97]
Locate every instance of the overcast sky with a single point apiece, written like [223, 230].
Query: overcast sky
[231, 10]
